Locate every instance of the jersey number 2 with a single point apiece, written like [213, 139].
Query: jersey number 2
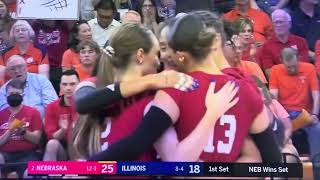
[224, 148]
[105, 134]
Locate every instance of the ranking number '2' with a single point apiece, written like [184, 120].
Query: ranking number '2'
[224, 148]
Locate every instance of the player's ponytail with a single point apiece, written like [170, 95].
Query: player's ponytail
[85, 138]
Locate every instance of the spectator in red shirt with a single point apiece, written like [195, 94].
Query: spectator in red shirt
[60, 116]
[269, 54]
[20, 129]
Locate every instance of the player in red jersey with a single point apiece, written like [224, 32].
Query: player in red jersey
[135, 112]
[135, 58]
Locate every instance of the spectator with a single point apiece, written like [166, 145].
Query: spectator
[306, 22]
[232, 51]
[38, 90]
[36, 57]
[5, 25]
[103, 26]
[89, 55]
[149, 14]
[131, 16]
[296, 87]
[244, 28]
[54, 36]
[317, 56]
[166, 8]
[86, 10]
[262, 26]
[20, 129]
[80, 31]
[269, 54]
[60, 116]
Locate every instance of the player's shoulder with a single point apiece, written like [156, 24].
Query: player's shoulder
[235, 73]
[136, 110]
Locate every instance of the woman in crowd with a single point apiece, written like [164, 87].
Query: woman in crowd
[244, 27]
[80, 31]
[22, 36]
[149, 14]
[193, 46]
[89, 53]
[232, 51]
[129, 65]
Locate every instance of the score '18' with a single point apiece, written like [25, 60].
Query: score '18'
[194, 169]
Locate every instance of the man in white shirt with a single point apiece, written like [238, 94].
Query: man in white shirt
[103, 26]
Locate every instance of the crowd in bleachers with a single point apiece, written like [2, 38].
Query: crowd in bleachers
[54, 74]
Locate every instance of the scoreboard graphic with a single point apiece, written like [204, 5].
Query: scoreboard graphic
[164, 169]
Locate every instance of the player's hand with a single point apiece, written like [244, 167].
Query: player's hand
[177, 80]
[221, 101]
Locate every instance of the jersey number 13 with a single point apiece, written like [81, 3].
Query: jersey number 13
[224, 148]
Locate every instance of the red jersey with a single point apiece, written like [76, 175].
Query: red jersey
[241, 76]
[224, 145]
[16, 142]
[126, 116]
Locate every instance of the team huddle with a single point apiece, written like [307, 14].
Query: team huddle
[210, 114]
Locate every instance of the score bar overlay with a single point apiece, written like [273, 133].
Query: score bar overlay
[165, 169]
